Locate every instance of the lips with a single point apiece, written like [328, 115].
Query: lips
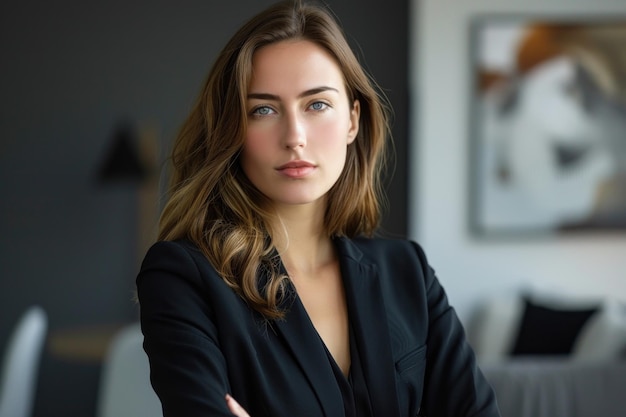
[296, 169]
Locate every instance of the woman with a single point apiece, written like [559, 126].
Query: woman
[262, 295]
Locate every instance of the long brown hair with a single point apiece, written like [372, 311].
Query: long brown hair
[211, 201]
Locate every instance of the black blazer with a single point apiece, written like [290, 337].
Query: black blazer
[203, 341]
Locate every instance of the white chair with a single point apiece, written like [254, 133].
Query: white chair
[18, 381]
[125, 389]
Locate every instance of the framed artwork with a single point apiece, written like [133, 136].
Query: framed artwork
[548, 124]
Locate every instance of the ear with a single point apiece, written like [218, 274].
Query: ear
[355, 114]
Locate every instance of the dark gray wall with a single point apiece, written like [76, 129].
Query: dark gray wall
[69, 72]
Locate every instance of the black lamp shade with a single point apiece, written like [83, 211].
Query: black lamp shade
[122, 162]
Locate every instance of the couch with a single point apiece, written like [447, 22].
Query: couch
[553, 357]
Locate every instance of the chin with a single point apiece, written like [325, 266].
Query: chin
[297, 200]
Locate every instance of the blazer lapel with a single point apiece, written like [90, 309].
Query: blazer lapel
[308, 349]
[369, 321]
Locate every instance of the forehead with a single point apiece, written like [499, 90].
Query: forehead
[293, 65]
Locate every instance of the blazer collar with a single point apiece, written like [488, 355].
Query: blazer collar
[368, 319]
[308, 349]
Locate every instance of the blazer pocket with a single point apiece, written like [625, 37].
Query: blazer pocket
[410, 380]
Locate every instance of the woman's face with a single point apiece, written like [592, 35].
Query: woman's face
[300, 123]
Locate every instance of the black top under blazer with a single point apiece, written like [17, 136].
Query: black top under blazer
[203, 340]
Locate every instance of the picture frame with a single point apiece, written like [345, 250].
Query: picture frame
[547, 124]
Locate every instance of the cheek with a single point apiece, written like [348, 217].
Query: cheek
[333, 143]
[255, 146]
[333, 134]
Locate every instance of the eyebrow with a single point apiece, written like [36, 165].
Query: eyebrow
[311, 92]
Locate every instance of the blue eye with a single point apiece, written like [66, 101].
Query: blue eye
[319, 106]
[262, 111]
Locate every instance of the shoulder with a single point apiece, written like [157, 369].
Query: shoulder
[380, 243]
[398, 262]
[176, 277]
[171, 248]
[180, 259]
[385, 250]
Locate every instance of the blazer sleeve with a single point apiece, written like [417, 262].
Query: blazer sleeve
[454, 385]
[187, 369]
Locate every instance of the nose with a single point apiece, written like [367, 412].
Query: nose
[294, 132]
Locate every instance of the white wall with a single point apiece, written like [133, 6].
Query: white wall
[470, 268]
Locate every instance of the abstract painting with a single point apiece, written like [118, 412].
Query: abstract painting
[548, 125]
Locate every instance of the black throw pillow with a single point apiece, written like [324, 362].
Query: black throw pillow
[549, 331]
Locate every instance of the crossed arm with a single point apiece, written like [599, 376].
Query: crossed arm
[235, 408]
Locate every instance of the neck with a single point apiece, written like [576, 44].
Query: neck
[301, 241]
